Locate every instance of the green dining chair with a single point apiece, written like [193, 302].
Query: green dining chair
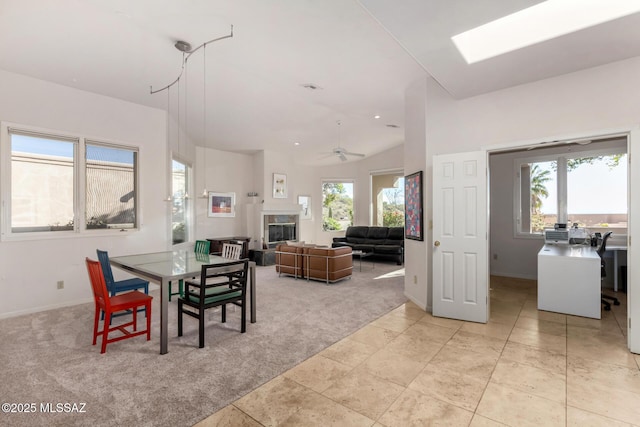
[201, 247]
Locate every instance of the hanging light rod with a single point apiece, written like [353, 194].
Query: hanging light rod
[186, 50]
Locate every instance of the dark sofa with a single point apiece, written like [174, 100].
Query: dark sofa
[387, 241]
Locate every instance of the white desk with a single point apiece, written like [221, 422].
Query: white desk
[569, 280]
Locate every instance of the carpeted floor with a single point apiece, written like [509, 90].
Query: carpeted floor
[47, 357]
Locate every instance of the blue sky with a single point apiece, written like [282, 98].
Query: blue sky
[52, 147]
[592, 189]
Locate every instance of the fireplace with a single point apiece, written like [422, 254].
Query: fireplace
[279, 228]
[272, 223]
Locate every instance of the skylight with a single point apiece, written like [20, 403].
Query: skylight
[544, 21]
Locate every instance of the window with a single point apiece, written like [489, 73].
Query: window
[42, 183]
[337, 205]
[587, 188]
[388, 199]
[598, 203]
[539, 207]
[61, 184]
[110, 187]
[181, 203]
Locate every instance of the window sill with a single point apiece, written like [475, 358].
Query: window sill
[55, 235]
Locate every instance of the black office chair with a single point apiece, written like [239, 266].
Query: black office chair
[603, 273]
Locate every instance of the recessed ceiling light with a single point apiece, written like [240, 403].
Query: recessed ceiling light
[377, 116]
[123, 14]
[544, 21]
[296, 143]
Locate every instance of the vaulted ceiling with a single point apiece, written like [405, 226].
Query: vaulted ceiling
[361, 56]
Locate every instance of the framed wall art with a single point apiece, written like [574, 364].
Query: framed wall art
[221, 205]
[413, 222]
[305, 202]
[279, 186]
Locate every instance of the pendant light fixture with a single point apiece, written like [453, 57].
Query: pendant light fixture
[205, 193]
[187, 51]
[186, 127]
[168, 198]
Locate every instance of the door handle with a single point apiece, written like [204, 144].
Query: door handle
[436, 243]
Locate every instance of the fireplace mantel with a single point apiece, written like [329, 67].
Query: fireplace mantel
[280, 208]
[257, 212]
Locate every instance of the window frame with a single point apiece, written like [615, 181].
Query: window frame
[353, 198]
[374, 212]
[79, 184]
[561, 179]
[136, 179]
[189, 214]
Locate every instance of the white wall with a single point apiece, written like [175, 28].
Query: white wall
[29, 270]
[516, 257]
[417, 262]
[223, 172]
[585, 102]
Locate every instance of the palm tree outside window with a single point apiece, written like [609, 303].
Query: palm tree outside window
[572, 188]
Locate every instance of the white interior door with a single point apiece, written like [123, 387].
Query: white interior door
[633, 268]
[460, 237]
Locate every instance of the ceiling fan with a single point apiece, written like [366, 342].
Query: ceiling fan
[342, 153]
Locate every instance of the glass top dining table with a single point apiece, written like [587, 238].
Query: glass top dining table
[165, 267]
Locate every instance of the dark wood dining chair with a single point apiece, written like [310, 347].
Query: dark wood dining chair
[218, 285]
[109, 305]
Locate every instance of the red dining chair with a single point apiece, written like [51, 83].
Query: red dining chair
[109, 305]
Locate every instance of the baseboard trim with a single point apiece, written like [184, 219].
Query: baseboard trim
[514, 275]
[45, 308]
[420, 304]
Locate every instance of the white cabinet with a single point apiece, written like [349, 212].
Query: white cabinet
[569, 280]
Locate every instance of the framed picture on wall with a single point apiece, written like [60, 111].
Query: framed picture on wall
[279, 186]
[413, 222]
[221, 205]
[305, 202]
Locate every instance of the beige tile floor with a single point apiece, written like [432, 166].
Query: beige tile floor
[523, 368]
